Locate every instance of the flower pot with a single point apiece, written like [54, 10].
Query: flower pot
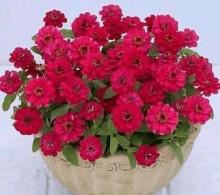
[113, 175]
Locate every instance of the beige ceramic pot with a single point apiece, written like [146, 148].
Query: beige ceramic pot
[113, 175]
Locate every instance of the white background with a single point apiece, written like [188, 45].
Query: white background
[24, 173]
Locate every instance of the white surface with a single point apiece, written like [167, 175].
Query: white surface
[24, 173]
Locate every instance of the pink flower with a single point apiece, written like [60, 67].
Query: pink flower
[69, 127]
[91, 110]
[149, 22]
[180, 106]
[10, 82]
[198, 109]
[59, 99]
[130, 97]
[83, 23]
[95, 67]
[90, 148]
[139, 39]
[21, 57]
[50, 144]
[60, 69]
[110, 11]
[56, 49]
[55, 18]
[28, 121]
[127, 118]
[74, 90]
[164, 23]
[80, 47]
[122, 81]
[39, 92]
[146, 155]
[131, 23]
[190, 38]
[152, 92]
[161, 119]
[171, 78]
[46, 35]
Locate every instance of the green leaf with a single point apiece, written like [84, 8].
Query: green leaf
[98, 122]
[179, 94]
[191, 79]
[131, 159]
[182, 130]
[135, 140]
[109, 46]
[9, 99]
[132, 149]
[70, 154]
[153, 52]
[212, 115]
[36, 145]
[109, 93]
[182, 141]
[33, 38]
[182, 119]
[46, 127]
[104, 142]
[98, 84]
[137, 85]
[165, 137]
[143, 129]
[123, 141]
[113, 145]
[35, 50]
[58, 112]
[67, 33]
[22, 76]
[190, 90]
[176, 149]
[111, 128]
[188, 52]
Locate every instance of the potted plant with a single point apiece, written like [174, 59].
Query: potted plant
[115, 106]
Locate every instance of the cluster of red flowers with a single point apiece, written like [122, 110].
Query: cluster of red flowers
[145, 54]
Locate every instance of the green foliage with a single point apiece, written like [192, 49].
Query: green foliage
[35, 50]
[36, 145]
[109, 93]
[70, 154]
[153, 51]
[104, 142]
[22, 76]
[212, 115]
[9, 99]
[33, 38]
[182, 141]
[135, 140]
[109, 46]
[176, 149]
[190, 89]
[60, 111]
[182, 130]
[97, 84]
[113, 145]
[68, 33]
[123, 141]
[46, 127]
[187, 52]
[165, 137]
[131, 159]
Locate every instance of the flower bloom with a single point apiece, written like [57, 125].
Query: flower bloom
[69, 127]
[122, 81]
[28, 121]
[129, 23]
[114, 27]
[139, 39]
[59, 99]
[39, 92]
[180, 106]
[110, 11]
[127, 118]
[10, 82]
[149, 22]
[198, 109]
[130, 97]
[74, 90]
[95, 67]
[46, 35]
[146, 155]
[99, 34]
[90, 148]
[50, 144]
[190, 38]
[83, 23]
[161, 119]
[21, 57]
[171, 78]
[55, 18]
[91, 110]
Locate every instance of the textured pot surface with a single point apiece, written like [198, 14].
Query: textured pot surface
[113, 175]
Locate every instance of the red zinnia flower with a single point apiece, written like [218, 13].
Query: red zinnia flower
[198, 109]
[74, 90]
[204, 68]
[46, 35]
[55, 18]
[171, 78]
[161, 119]
[110, 11]
[152, 92]
[21, 57]
[130, 97]
[81, 46]
[99, 34]
[90, 148]
[127, 118]
[91, 110]
[129, 23]
[57, 48]
[180, 106]
[95, 67]
[83, 23]
[139, 39]
[164, 23]
[190, 38]
[122, 81]
[59, 99]
[39, 92]
[28, 121]
[149, 22]
[60, 69]
[146, 155]
[10, 82]
[50, 144]
[69, 127]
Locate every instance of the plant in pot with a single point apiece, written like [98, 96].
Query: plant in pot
[115, 106]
